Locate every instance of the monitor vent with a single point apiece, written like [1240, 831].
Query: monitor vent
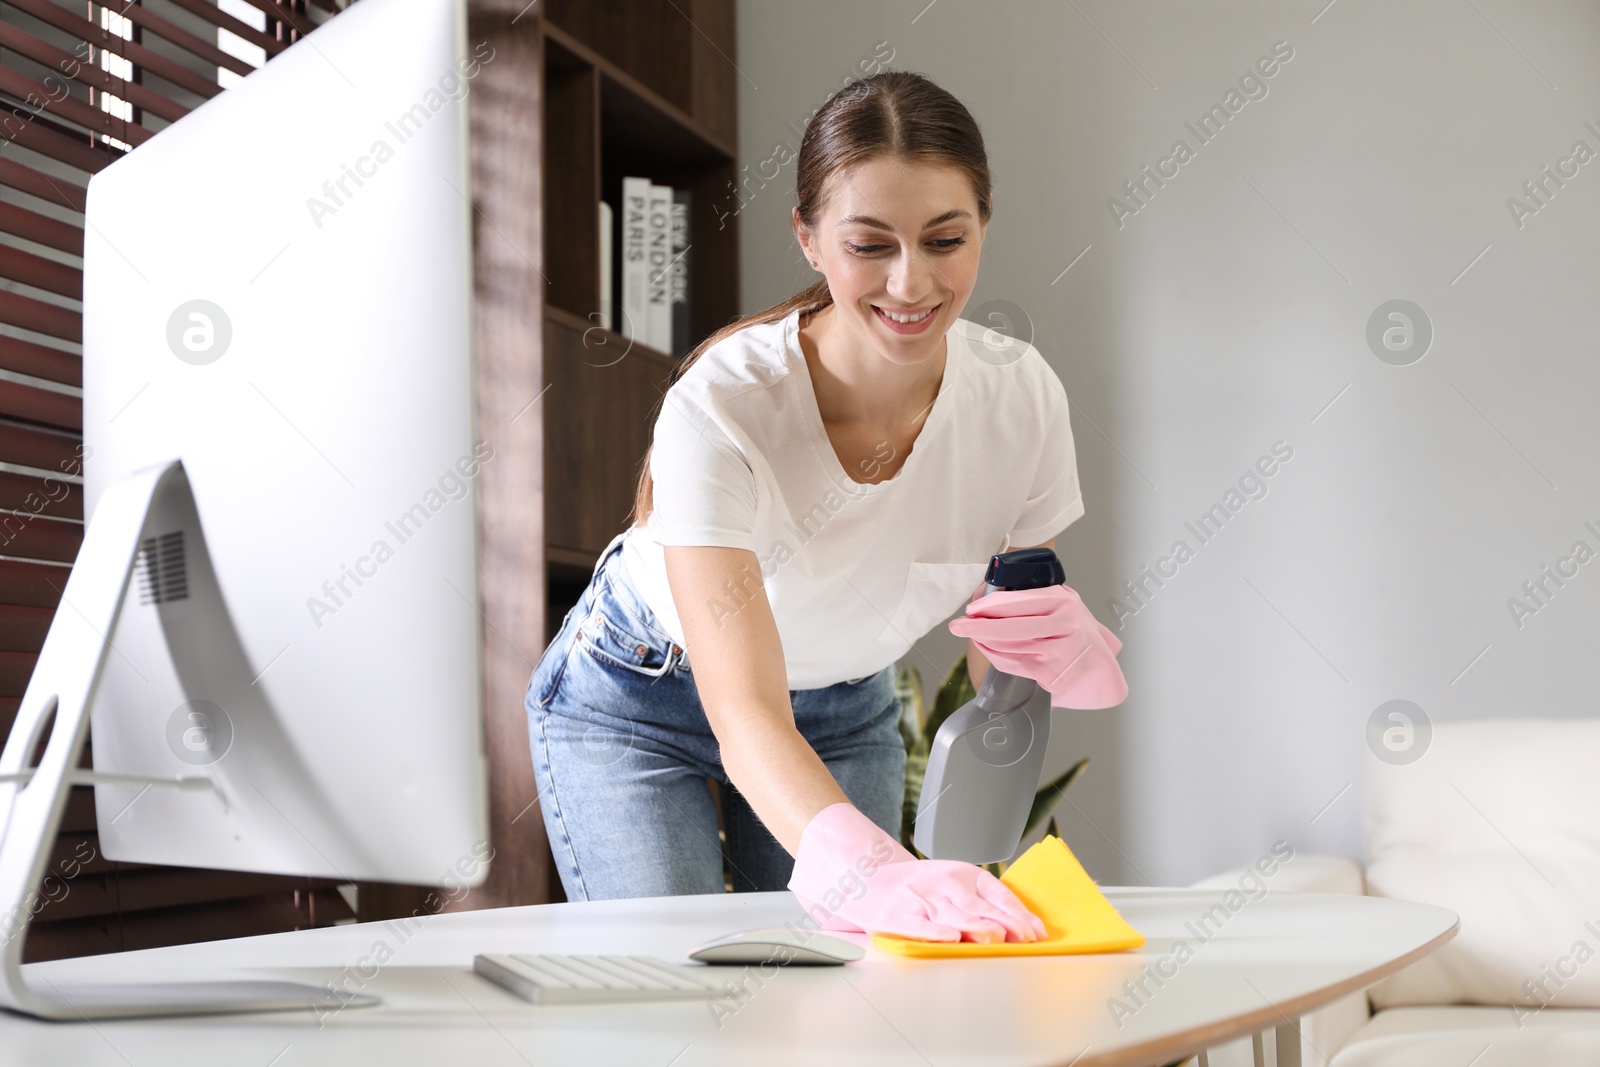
[161, 571]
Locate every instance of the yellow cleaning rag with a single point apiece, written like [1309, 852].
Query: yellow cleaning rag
[1052, 884]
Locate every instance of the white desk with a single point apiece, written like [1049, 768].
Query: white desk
[1267, 963]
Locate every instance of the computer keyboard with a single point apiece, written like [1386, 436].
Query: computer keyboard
[550, 978]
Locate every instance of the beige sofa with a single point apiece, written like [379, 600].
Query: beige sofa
[1499, 821]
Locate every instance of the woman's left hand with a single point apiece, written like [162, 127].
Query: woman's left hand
[1048, 635]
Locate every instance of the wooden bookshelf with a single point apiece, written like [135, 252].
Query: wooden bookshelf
[633, 88]
[578, 95]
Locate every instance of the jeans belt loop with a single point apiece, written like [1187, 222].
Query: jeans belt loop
[606, 552]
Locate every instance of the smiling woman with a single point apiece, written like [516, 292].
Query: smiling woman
[858, 425]
[876, 353]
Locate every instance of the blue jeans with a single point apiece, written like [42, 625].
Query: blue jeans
[622, 751]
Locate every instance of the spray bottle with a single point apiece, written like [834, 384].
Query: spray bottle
[985, 761]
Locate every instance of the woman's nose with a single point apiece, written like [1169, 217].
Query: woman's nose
[910, 278]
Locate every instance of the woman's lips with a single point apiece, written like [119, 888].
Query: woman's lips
[907, 328]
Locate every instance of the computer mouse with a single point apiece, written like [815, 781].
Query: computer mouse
[777, 944]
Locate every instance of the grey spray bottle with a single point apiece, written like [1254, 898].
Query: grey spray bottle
[985, 761]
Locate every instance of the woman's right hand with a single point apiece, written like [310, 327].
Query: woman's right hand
[851, 876]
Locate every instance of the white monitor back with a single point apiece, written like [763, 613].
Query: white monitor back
[277, 291]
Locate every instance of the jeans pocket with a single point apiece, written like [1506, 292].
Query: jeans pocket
[612, 637]
[547, 673]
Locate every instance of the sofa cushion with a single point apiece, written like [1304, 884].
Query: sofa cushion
[1304, 873]
[1482, 1037]
[1499, 821]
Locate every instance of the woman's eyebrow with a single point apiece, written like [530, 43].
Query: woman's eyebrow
[868, 220]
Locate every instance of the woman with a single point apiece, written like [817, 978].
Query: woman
[827, 480]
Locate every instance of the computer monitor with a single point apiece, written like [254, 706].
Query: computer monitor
[280, 438]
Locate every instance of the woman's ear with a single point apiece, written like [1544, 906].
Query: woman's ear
[802, 236]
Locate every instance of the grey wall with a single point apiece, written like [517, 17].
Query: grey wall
[1230, 313]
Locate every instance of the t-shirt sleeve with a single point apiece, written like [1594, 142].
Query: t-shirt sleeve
[1055, 500]
[704, 491]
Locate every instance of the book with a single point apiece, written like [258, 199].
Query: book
[679, 289]
[658, 259]
[605, 266]
[634, 320]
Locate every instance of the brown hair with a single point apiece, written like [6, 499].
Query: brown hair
[898, 114]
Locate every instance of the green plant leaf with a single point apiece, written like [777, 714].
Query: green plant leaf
[954, 691]
[1048, 796]
[916, 771]
[908, 691]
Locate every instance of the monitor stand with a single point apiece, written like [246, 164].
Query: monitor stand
[32, 798]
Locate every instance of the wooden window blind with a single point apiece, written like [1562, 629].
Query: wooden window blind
[80, 84]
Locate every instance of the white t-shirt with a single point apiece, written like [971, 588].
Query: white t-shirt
[855, 573]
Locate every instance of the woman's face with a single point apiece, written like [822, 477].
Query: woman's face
[896, 240]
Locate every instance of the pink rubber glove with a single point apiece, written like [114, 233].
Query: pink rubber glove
[1048, 635]
[851, 876]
